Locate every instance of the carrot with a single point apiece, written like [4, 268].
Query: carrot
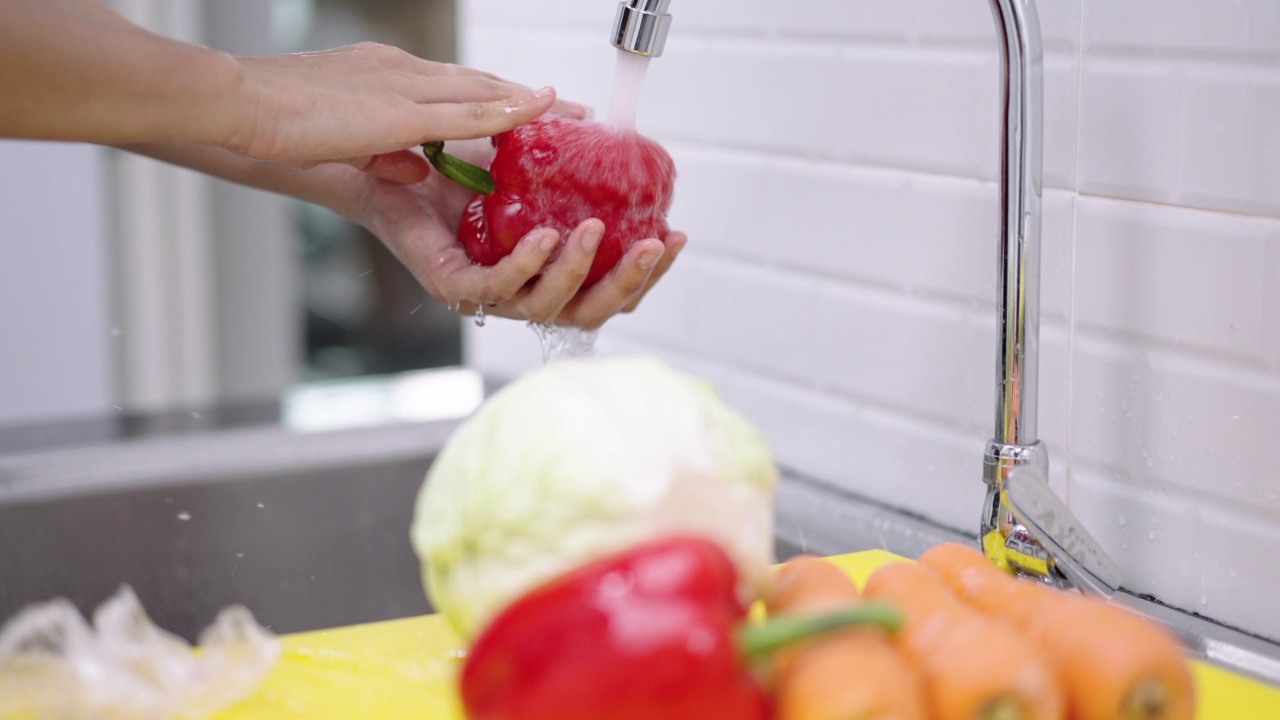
[856, 674]
[809, 583]
[973, 667]
[1115, 664]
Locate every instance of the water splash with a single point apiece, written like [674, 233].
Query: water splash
[564, 343]
[480, 315]
[628, 77]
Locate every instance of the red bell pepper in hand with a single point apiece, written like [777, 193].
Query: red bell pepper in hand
[655, 632]
[557, 172]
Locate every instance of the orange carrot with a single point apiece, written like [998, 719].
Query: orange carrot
[856, 674]
[809, 583]
[973, 667]
[1115, 664]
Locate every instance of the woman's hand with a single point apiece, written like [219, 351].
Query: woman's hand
[419, 224]
[359, 102]
[75, 70]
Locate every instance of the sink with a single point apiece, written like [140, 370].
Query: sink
[309, 530]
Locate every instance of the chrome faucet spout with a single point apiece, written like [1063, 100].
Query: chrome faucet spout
[1021, 152]
[641, 27]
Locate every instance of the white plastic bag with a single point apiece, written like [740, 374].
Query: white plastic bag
[53, 664]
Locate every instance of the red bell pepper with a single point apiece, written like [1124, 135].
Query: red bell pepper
[656, 632]
[557, 172]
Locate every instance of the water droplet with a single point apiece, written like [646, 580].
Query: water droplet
[1120, 520]
[1124, 405]
[1151, 534]
[184, 516]
[411, 312]
[1204, 598]
[1150, 462]
[239, 555]
[262, 505]
[195, 415]
[480, 316]
[1235, 417]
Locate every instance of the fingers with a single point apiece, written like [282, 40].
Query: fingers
[478, 85]
[675, 242]
[562, 279]
[612, 294]
[501, 282]
[467, 120]
[459, 89]
[566, 108]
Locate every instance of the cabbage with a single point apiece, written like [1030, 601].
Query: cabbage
[581, 458]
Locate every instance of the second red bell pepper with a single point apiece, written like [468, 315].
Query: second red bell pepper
[654, 632]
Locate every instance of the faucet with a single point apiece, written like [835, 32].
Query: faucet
[1023, 527]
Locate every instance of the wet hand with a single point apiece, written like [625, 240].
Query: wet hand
[419, 224]
[364, 105]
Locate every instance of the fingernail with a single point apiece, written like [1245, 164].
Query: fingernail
[548, 241]
[591, 239]
[649, 257]
[544, 93]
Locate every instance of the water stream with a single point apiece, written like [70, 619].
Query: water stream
[628, 78]
[563, 343]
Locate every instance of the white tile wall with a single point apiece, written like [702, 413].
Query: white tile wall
[837, 164]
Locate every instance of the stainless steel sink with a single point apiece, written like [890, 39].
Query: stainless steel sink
[309, 530]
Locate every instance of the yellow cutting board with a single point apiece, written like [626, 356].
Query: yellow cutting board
[407, 668]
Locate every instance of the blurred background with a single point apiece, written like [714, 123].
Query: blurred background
[131, 287]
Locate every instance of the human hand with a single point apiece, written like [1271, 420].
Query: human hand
[419, 224]
[364, 104]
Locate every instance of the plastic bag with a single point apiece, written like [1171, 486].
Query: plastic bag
[53, 664]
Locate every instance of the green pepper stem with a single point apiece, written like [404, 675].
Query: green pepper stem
[471, 177]
[783, 630]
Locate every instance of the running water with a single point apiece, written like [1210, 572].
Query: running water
[628, 77]
[564, 343]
